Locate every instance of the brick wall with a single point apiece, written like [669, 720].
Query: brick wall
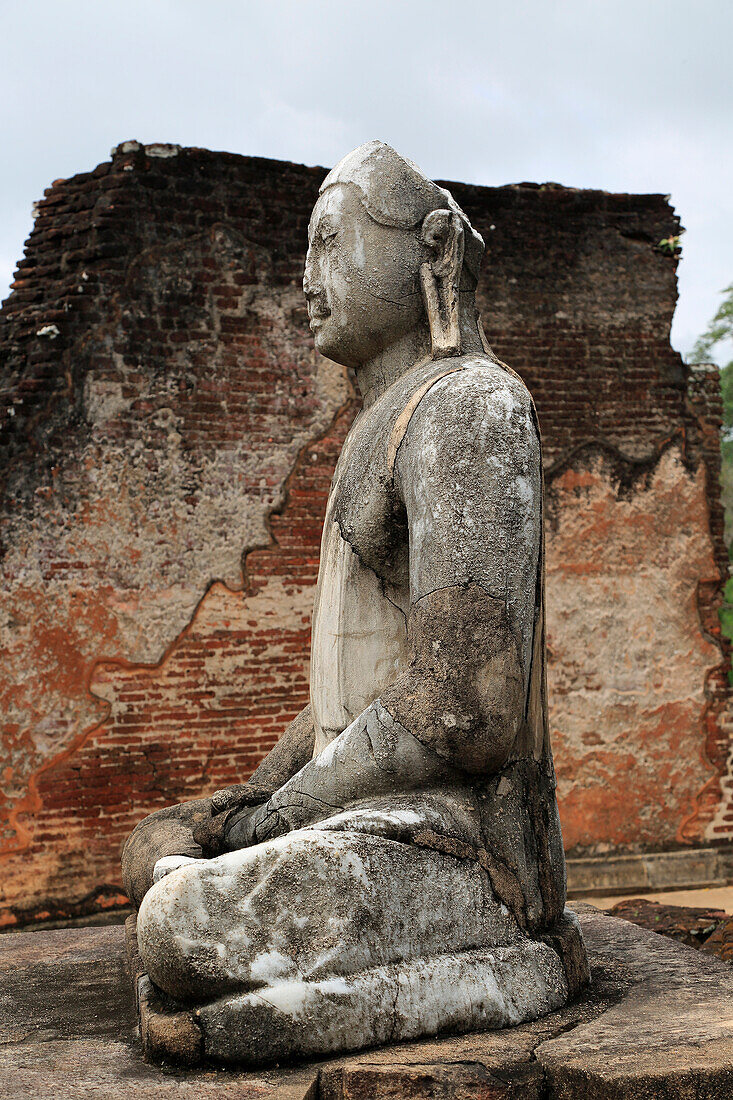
[167, 448]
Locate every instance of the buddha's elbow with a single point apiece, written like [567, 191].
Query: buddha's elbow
[475, 731]
[487, 747]
[468, 717]
[498, 714]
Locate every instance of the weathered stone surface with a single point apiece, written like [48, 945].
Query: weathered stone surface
[652, 1027]
[68, 1028]
[720, 942]
[80, 1068]
[670, 1036]
[444, 994]
[64, 984]
[439, 1082]
[693, 926]
[687, 868]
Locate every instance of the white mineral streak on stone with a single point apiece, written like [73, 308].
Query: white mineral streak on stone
[392, 817]
[473, 990]
[292, 998]
[269, 966]
[289, 998]
[214, 923]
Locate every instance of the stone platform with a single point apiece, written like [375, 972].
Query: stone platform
[657, 1022]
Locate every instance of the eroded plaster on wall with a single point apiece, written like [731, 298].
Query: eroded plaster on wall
[173, 477]
[629, 656]
[198, 719]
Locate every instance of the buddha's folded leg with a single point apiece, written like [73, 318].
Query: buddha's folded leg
[310, 905]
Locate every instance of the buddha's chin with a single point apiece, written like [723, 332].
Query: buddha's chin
[329, 345]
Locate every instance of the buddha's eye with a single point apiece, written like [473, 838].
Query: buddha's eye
[328, 235]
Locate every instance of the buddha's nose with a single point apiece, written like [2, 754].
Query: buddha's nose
[312, 282]
[309, 287]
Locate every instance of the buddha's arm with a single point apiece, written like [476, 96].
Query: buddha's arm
[470, 481]
[290, 753]
[287, 756]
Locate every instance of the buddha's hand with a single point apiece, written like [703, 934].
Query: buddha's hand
[227, 805]
[260, 823]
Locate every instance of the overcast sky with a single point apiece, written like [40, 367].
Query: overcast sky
[625, 95]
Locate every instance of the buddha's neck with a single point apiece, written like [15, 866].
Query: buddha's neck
[377, 374]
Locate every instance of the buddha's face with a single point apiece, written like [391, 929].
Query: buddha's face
[361, 279]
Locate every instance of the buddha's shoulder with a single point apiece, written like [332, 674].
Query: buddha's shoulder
[473, 387]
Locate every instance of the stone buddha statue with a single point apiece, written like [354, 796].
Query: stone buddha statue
[394, 868]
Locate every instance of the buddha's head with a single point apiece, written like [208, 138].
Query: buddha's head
[388, 251]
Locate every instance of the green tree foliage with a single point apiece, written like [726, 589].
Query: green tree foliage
[719, 329]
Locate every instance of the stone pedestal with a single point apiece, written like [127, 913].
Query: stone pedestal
[656, 1022]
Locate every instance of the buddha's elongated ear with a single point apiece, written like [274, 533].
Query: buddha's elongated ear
[442, 232]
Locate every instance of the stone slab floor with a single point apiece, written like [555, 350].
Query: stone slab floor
[658, 1022]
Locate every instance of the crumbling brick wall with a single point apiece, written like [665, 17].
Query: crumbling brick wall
[167, 449]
